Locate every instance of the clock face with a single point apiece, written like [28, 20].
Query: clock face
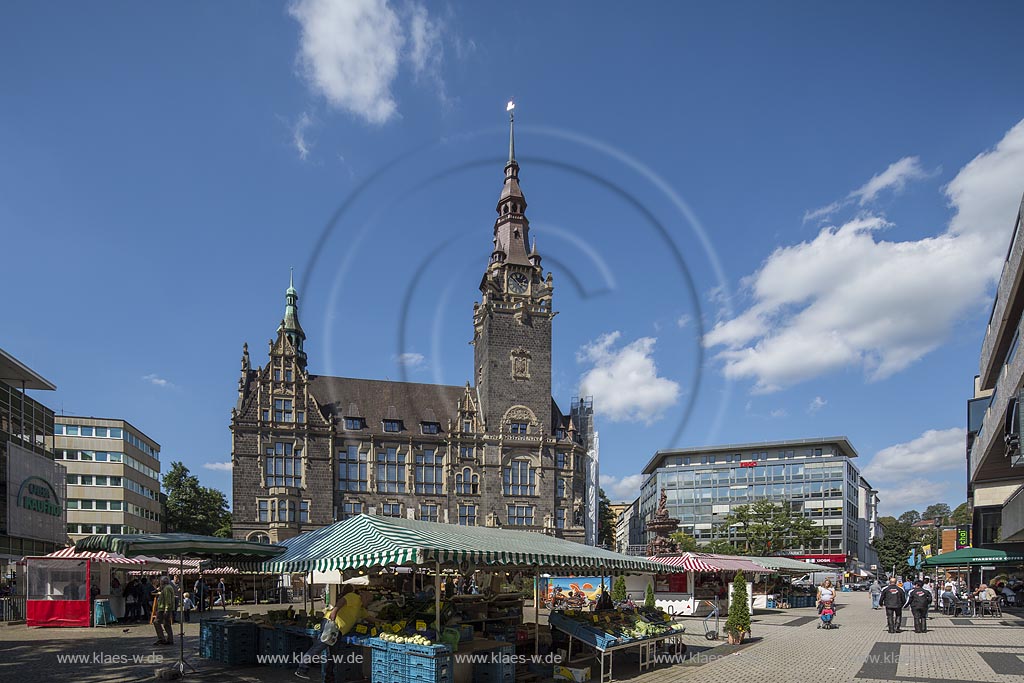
[518, 282]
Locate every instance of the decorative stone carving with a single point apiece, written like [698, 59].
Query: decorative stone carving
[661, 525]
[519, 359]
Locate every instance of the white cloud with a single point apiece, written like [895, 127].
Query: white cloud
[624, 381]
[351, 50]
[823, 212]
[816, 404]
[850, 298]
[683, 321]
[157, 381]
[410, 359]
[218, 466]
[302, 146]
[622, 489]
[894, 178]
[904, 473]
[779, 412]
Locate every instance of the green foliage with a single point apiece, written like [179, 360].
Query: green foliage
[771, 527]
[194, 509]
[649, 596]
[619, 589]
[937, 511]
[605, 521]
[961, 515]
[721, 546]
[739, 610]
[686, 542]
[909, 517]
[887, 521]
[894, 547]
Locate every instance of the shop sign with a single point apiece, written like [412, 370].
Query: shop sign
[821, 559]
[963, 536]
[37, 494]
[748, 463]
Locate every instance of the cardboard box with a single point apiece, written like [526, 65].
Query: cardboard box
[564, 673]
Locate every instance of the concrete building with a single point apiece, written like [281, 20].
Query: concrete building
[113, 476]
[815, 477]
[629, 531]
[309, 449]
[995, 464]
[31, 484]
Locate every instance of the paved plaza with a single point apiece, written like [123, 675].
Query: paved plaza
[787, 647]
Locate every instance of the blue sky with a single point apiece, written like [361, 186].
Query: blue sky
[838, 183]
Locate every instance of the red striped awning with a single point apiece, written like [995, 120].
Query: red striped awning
[70, 553]
[731, 563]
[686, 562]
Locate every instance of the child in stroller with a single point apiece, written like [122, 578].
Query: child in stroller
[828, 612]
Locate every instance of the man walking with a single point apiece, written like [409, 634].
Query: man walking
[164, 607]
[876, 594]
[919, 599]
[199, 590]
[893, 598]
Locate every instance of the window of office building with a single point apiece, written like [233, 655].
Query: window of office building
[355, 423]
[283, 410]
[428, 512]
[428, 472]
[390, 471]
[560, 518]
[392, 425]
[467, 515]
[352, 469]
[391, 509]
[351, 510]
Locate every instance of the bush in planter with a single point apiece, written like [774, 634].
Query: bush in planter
[619, 589]
[738, 623]
[649, 597]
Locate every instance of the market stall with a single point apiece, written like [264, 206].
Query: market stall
[428, 624]
[785, 595]
[180, 546]
[63, 585]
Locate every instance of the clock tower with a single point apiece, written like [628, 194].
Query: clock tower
[512, 322]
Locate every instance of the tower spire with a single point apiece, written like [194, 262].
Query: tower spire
[290, 323]
[511, 108]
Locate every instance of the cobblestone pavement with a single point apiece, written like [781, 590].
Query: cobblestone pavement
[786, 648]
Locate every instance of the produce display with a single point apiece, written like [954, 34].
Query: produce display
[613, 627]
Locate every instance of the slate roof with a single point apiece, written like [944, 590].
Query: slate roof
[374, 400]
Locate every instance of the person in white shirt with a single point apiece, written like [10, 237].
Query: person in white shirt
[826, 593]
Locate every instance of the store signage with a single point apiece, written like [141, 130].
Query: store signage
[988, 569]
[821, 559]
[748, 463]
[37, 494]
[963, 536]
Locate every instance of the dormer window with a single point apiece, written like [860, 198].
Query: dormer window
[283, 410]
[560, 433]
[355, 423]
[518, 427]
[392, 425]
[430, 427]
[467, 426]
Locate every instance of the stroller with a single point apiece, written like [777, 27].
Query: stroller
[828, 613]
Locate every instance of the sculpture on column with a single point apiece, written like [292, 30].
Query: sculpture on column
[661, 525]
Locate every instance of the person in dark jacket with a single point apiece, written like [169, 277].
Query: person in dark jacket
[919, 599]
[893, 599]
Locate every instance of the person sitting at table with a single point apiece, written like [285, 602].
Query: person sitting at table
[1007, 594]
[948, 597]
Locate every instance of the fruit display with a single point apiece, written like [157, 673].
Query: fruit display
[612, 627]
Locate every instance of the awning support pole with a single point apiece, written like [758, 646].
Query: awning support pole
[437, 598]
[536, 611]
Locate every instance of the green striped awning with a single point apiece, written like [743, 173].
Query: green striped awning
[368, 541]
[179, 545]
[786, 564]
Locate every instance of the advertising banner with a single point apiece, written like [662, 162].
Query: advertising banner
[963, 536]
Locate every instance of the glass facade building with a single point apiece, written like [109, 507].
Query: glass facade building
[815, 478]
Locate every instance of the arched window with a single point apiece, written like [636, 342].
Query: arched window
[466, 482]
[258, 537]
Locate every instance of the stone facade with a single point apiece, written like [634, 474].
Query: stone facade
[308, 450]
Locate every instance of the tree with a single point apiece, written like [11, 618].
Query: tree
[722, 547]
[888, 521]
[909, 517]
[619, 589]
[194, 509]
[739, 611]
[649, 596]
[961, 515]
[894, 548]
[605, 521]
[686, 542]
[771, 527]
[937, 511]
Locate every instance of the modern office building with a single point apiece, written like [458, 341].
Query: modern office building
[113, 476]
[995, 463]
[307, 449]
[815, 477]
[31, 482]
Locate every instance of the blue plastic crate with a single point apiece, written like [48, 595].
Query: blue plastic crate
[421, 650]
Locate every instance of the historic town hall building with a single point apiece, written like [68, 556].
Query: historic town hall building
[308, 450]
